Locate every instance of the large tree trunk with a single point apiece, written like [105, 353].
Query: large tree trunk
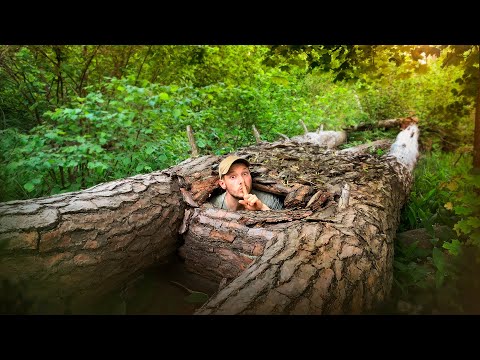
[326, 250]
[330, 251]
[69, 249]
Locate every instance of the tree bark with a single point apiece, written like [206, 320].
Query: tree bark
[476, 131]
[328, 139]
[401, 123]
[69, 249]
[382, 145]
[311, 257]
[329, 260]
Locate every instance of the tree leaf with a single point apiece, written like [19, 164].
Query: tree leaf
[149, 150]
[29, 186]
[462, 210]
[462, 226]
[439, 277]
[163, 96]
[452, 247]
[279, 80]
[452, 186]
[438, 258]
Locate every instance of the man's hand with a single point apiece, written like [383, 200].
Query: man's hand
[251, 202]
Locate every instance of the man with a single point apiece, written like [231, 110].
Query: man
[235, 179]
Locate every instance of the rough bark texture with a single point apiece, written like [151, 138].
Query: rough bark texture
[79, 245]
[305, 260]
[310, 258]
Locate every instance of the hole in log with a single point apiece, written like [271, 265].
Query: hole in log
[220, 244]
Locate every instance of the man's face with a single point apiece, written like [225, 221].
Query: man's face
[232, 181]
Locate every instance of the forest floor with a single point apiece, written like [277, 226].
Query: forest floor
[167, 290]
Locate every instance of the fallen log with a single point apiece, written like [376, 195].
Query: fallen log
[334, 259]
[401, 123]
[332, 139]
[383, 144]
[328, 139]
[75, 247]
[70, 249]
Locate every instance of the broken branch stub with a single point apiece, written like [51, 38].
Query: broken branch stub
[191, 140]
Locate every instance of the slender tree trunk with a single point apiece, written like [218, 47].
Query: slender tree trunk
[84, 77]
[141, 66]
[476, 140]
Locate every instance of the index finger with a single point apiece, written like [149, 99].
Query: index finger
[244, 189]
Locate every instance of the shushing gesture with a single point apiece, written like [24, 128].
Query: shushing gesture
[250, 201]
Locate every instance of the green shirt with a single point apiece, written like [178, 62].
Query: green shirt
[269, 199]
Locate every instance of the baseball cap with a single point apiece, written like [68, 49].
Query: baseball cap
[227, 162]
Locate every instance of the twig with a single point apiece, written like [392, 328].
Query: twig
[191, 140]
[256, 134]
[304, 127]
[456, 161]
[183, 286]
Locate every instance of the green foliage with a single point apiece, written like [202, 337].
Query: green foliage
[444, 117]
[74, 116]
[23, 89]
[335, 105]
[429, 193]
[465, 196]
[99, 140]
[444, 192]
[356, 138]
[121, 130]
[408, 272]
